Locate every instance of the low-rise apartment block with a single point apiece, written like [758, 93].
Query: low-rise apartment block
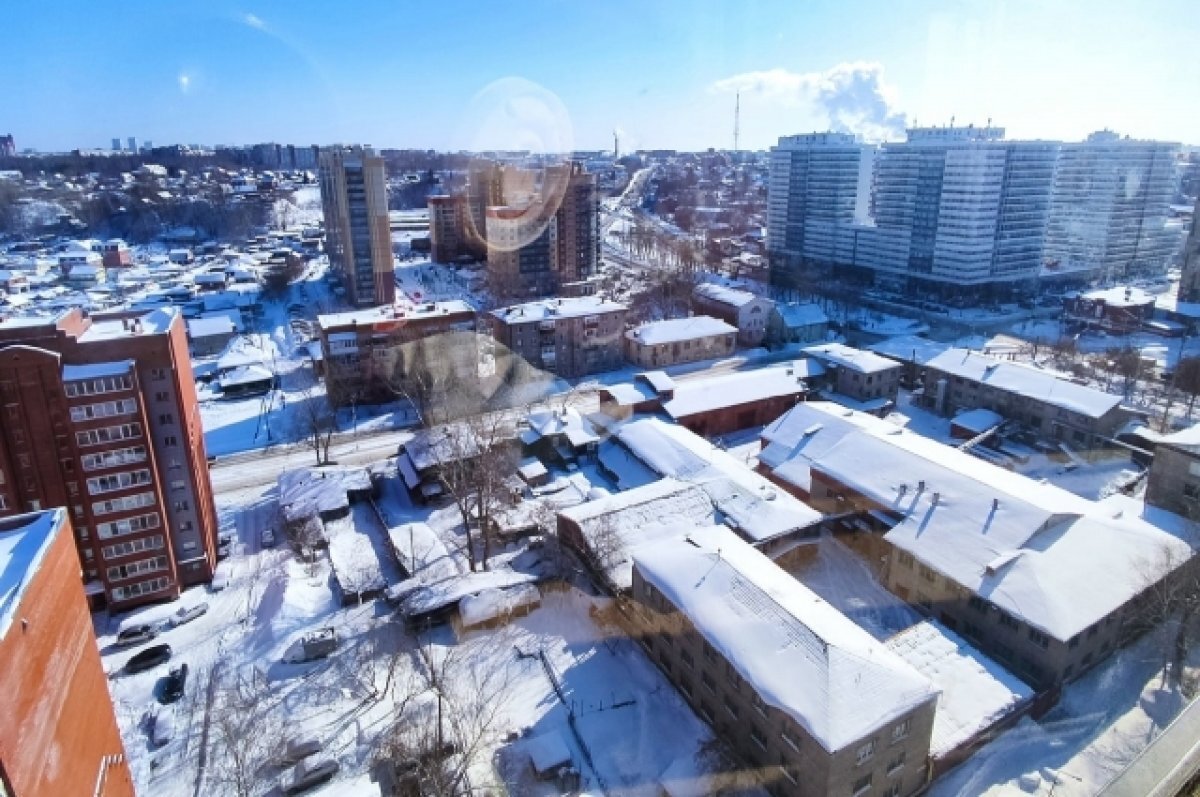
[679, 340]
[1042, 401]
[860, 379]
[362, 349]
[1174, 480]
[801, 692]
[101, 417]
[569, 337]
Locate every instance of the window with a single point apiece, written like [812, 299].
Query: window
[707, 681]
[893, 790]
[133, 525]
[1008, 621]
[124, 503]
[864, 752]
[170, 440]
[132, 569]
[118, 481]
[109, 459]
[906, 559]
[141, 588]
[757, 736]
[787, 771]
[978, 604]
[133, 546]
[928, 574]
[896, 764]
[92, 387]
[158, 373]
[687, 659]
[1038, 638]
[105, 409]
[901, 730]
[162, 395]
[108, 434]
[758, 704]
[862, 785]
[166, 419]
[790, 740]
[731, 708]
[181, 506]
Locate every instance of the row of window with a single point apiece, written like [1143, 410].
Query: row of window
[132, 569]
[133, 525]
[118, 481]
[141, 588]
[124, 503]
[154, 543]
[104, 409]
[110, 459]
[109, 434]
[94, 387]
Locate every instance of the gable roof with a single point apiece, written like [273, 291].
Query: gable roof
[798, 653]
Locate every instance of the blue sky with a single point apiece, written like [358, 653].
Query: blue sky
[449, 74]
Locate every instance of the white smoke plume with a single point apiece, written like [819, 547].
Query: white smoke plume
[849, 97]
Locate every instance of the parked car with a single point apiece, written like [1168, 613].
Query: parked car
[220, 579]
[185, 614]
[267, 537]
[149, 658]
[163, 728]
[224, 546]
[296, 750]
[176, 681]
[314, 645]
[308, 774]
[136, 635]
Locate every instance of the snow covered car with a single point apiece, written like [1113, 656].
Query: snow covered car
[163, 729]
[176, 680]
[136, 635]
[296, 750]
[185, 614]
[313, 645]
[267, 537]
[148, 659]
[308, 774]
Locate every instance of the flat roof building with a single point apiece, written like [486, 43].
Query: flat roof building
[357, 236]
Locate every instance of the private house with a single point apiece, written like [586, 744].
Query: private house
[749, 313]
[799, 691]
[658, 344]
[210, 336]
[795, 322]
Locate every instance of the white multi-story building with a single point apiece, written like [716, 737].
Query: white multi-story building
[819, 186]
[958, 206]
[1110, 207]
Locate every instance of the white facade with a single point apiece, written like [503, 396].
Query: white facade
[1111, 203]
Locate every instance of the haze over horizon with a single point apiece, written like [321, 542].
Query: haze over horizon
[546, 75]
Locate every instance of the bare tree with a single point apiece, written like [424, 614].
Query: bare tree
[243, 731]
[1187, 378]
[1172, 594]
[315, 423]
[445, 723]
[475, 458]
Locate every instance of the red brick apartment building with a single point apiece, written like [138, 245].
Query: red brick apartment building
[101, 417]
[59, 735]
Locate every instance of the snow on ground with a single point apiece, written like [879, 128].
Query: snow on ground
[839, 576]
[1101, 723]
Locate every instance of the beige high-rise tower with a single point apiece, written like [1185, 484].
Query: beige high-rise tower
[357, 235]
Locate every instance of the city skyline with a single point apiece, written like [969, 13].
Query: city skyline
[562, 76]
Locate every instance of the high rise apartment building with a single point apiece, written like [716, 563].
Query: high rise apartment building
[522, 252]
[59, 735]
[818, 188]
[957, 207]
[101, 417]
[1112, 198]
[578, 218]
[448, 231]
[357, 234]
[1189, 281]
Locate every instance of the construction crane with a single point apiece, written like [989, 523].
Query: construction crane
[737, 114]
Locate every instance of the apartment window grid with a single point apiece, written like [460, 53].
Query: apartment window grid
[108, 434]
[96, 387]
[109, 459]
[141, 588]
[136, 501]
[133, 525]
[134, 569]
[98, 485]
[119, 549]
[104, 409]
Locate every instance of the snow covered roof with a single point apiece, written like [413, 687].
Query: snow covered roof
[422, 553]
[797, 652]
[245, 375]
[155, 322]
[1025, 380]
[1188, 439]
[978, 420]
[801, 315]
[566, 421]
[660, 381]
[864, 362]
[210, 326]
[24, 541]
[566, 307]
[352, 556]
[804, 433]
[1121, 296]
[1055, 560]
[630, 393]
[491, 603]
[72, 373]
[733, 297]
[909, 348]
[976, 692]
[703, 394]
[305, 492]
[389, 315]
[675, 330]
[425, 598]
[614, 527]
[747, 501]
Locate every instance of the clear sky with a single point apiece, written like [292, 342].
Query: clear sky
[449, 74]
